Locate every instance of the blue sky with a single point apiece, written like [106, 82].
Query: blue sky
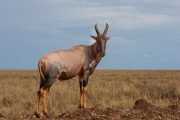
[144, 34]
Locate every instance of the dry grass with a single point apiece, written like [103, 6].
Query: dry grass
[107, 89]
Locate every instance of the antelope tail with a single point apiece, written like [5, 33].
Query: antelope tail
[40, 70]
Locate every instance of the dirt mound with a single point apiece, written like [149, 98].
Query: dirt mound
[143, 110]
[174, 107]
[142, 104]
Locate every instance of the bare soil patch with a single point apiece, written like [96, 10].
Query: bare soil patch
[142, 110]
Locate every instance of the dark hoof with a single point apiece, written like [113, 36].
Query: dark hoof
[45, 115]
[36, 115]
[81, 107]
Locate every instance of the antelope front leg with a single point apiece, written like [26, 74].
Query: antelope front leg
[81, 92]
[85, 88]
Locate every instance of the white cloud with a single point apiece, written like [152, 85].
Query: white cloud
[121, 17]
[147, 55]
[53, 15]
[136, 21]
[122, 41]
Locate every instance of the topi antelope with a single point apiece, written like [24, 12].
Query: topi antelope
[80, 60]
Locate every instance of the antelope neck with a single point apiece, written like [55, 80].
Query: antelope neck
[94, 52]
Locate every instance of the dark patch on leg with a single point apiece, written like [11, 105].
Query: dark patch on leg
[42, 82]
[85, 82]
[81, 84]
[47, 84]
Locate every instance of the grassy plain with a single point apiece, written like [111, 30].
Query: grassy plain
[107, 88]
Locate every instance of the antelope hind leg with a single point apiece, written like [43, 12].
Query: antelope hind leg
[43, 90]
[43, 95]
[37, 104]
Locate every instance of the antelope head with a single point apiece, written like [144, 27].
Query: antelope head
[101, 40]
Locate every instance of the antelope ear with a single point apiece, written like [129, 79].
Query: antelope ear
[94, 37]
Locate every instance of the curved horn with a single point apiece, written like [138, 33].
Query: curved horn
[106, 29]
[96, 28]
